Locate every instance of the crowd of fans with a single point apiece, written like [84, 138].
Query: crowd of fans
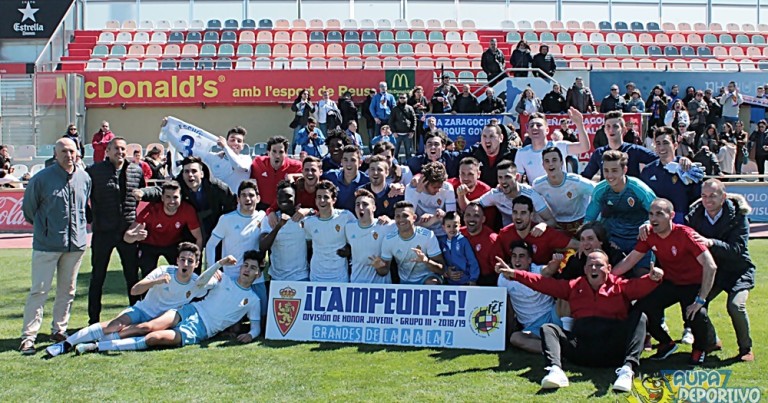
[502, 212]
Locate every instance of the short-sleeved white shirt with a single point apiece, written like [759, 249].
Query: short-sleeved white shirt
[328, 235]
[162, 297]
[226, 304]
[425, 203]
[498, 199]
[570, 199]
[288, 255]
[238, 234]
[529, 161]
[395, 247]
[228, 171]
[366, 242]
[529, 305]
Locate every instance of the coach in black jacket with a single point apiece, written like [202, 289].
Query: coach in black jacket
[112, 211]
[727, 240]
[210, 197]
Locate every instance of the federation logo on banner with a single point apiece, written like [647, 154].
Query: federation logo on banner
[286, 309]
[486, 319]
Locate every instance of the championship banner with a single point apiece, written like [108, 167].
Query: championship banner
[11, 214]
[234, 86]
[756, 195]
[185, 139]
[403, 315]
[463, 129]
[592, 123]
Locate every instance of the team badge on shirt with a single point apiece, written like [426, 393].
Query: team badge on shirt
[569, 194]
[244, 302]
[178, 225]
[674, 251]
[338, 227]
[478, 247]
[439, 202]
[534, 248]
[386, 203]
[631, 202]
[286, 309]
[375, 235]
[189, 294]
[674, 179]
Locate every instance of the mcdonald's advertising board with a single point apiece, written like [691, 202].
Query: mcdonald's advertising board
[231, 87]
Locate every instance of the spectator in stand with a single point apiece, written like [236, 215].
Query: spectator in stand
[698, 112]
[708, 138]
[54, 204]
[347, 108]
[521, 59]
[715, 109]
[444, 96]
[690, 94]
[632, 135]
[674, 95]
[74, 136]
[492, 62]
[758, 144]
[210, 197]
[708, 160]
[352, 134]
[420, 105]
[303, 109]
[544, 62]
[310, 138]
[554, 101]
[677, 115]
[466, 102]
[580, 97]
[613, 101]
[529, 103]
[100, 140]
[567, 132]
[386, 135]
[630, 89]
[335, 141]
[365, 112]
[656, 105]
[757, 113]
[381, 106]
[726, 151]
[492, 104]
[324, 106]
[512, 137]
[145, 168]
[731, 100]
[156, 163]
[635, 103]
[742, 138]
[402, 120]
[6, 162]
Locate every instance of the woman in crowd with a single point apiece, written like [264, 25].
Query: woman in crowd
[303, 109]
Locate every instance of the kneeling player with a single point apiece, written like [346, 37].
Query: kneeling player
[167, 287]
[225, 305]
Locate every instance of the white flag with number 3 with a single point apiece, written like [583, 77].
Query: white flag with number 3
[184, 140]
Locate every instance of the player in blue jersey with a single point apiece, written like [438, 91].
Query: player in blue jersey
[225, 305]
[621, 203]
[614, 131]
[666, 180]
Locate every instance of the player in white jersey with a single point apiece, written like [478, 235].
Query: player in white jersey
[415, 249]
[166, 287]
[238, 231]
[365, 237]
[567, 194]
[532, 309]
[285, 241]
[501, 197]
[528, 158]
[228, 165]
[326, 231]
[229, 300]
[435, 200]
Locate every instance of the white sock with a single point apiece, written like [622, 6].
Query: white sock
[90, 333]
[111, 336]
[133, 343]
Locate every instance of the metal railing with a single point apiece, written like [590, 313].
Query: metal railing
[56, 47]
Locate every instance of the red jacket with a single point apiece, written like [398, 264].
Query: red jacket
[611, 301]
[99, 143]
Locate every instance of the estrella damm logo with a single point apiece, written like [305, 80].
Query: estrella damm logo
[400, 81]
[486, 319]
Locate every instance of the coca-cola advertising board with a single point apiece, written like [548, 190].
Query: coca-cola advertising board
[11, 216]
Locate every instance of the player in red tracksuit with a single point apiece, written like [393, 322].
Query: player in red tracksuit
[605, 330]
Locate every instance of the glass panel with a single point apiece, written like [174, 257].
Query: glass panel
[680, 13]
[274, 10]
[629, 13]
[737, 14]
[217, 9]
[376, 10]
[425, 10]
[324, 10]
[763, 13]
[164, 10]
[489, 15]
[97, 13]
[585, 12]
